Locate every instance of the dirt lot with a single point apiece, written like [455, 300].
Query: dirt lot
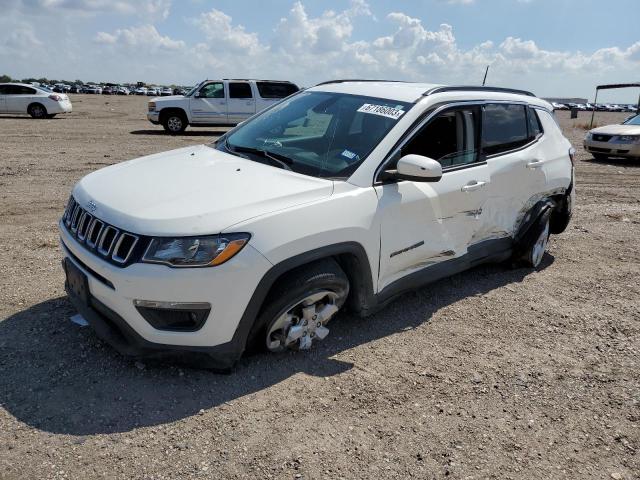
[496, 373]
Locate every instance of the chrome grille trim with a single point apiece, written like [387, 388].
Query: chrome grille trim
[116, 250]
[103, 237]
[103, 240]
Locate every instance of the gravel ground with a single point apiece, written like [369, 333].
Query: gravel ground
[495, 373]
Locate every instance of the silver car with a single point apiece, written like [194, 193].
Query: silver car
[615, 140]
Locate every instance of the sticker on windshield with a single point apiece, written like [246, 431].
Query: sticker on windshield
[382, 110]
[350, 155]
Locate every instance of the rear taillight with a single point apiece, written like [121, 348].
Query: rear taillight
[572, 156]
[55, 98]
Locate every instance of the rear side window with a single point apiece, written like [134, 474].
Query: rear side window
[276, 89]
[535, 128]
[240, 90]
[19, 90]
[504, 127]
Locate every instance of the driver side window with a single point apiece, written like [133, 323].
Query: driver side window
[451, 138]
[212, 90]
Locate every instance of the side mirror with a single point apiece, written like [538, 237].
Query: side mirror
[417, 168]
[196, 95]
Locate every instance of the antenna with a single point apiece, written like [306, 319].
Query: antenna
[486, 72]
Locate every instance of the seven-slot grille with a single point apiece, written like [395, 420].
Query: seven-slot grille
[106, 240]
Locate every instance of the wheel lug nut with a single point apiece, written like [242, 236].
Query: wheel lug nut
[312, 335]
[318, 324]
[305, 323]
[315, 317]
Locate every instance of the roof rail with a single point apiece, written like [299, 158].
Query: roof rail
[343, 80]
[475, 88]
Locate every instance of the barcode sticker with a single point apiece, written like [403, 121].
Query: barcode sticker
[382, 110]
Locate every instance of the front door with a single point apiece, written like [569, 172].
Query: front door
[209, 104]
[425, 223]
[242, 102]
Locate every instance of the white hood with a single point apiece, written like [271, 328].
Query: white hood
[193, 191]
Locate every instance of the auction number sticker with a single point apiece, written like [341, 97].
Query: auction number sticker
[382, 110]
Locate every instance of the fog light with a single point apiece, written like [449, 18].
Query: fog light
[174, 316]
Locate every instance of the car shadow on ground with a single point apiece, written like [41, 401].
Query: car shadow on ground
[186, 133]
[59, 378]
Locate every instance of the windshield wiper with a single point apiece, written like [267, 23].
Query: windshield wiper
[276, 159]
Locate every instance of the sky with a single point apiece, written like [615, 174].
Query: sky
[555, 48]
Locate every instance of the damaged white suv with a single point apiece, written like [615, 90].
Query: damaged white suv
[343, 195]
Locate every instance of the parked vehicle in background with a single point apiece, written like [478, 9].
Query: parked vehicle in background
[141, 91]
[61, 88]
[217, 102]
[93, 89]
[559, 106]
[108, 90]
[343, 195]
[153, 92]
[122, 91]
[615, 140]
[39, 102]
[76, 89]
[166, 92]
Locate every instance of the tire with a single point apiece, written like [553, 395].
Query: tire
[174, 123]
[534, 244]
[37, 110]
[298, 308]
[599, 156]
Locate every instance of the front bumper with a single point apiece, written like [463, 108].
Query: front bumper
[626, 150]
[154, 117]
[111, 311]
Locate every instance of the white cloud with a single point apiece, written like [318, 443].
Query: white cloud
[218, 28]
[143, 36]
[149, 9]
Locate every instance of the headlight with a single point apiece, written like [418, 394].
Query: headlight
[589, 136]
[152, 106]
[206, 251]
[628, 139]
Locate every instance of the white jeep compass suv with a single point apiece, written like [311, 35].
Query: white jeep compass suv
[343, 195]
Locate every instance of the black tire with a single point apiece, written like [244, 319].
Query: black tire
[37, 110]
[293, 287]
[530, 251]
[174, 122]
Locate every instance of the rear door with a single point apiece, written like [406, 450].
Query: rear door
[19, 97]
[209, 104]
[511, 140]
[242, 102]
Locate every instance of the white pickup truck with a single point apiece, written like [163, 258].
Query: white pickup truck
[217, 103]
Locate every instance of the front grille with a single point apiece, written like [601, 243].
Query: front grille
[599, 150]
[601, 138]
[106, 241]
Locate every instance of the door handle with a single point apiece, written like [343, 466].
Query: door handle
[473, 186]
[249, 103]
[535, 164]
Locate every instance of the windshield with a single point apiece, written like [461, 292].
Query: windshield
[194, 89]
[633, 121]
[320, 134]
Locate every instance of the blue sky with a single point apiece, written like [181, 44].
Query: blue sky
[553, 47]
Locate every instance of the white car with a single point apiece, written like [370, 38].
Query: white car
[615, 140]
[141, 91]
[345, 194]
[166, 92]
[217, 103]
[39, 102]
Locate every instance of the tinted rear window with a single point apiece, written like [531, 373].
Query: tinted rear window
[276, 89]
[504, 127]
[240, 90]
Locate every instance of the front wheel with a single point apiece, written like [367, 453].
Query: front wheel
[300, 306]
[174, 123]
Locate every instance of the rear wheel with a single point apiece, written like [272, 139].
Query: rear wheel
[37, 110]
[174, 123]
[300, 306]
[534, 245]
